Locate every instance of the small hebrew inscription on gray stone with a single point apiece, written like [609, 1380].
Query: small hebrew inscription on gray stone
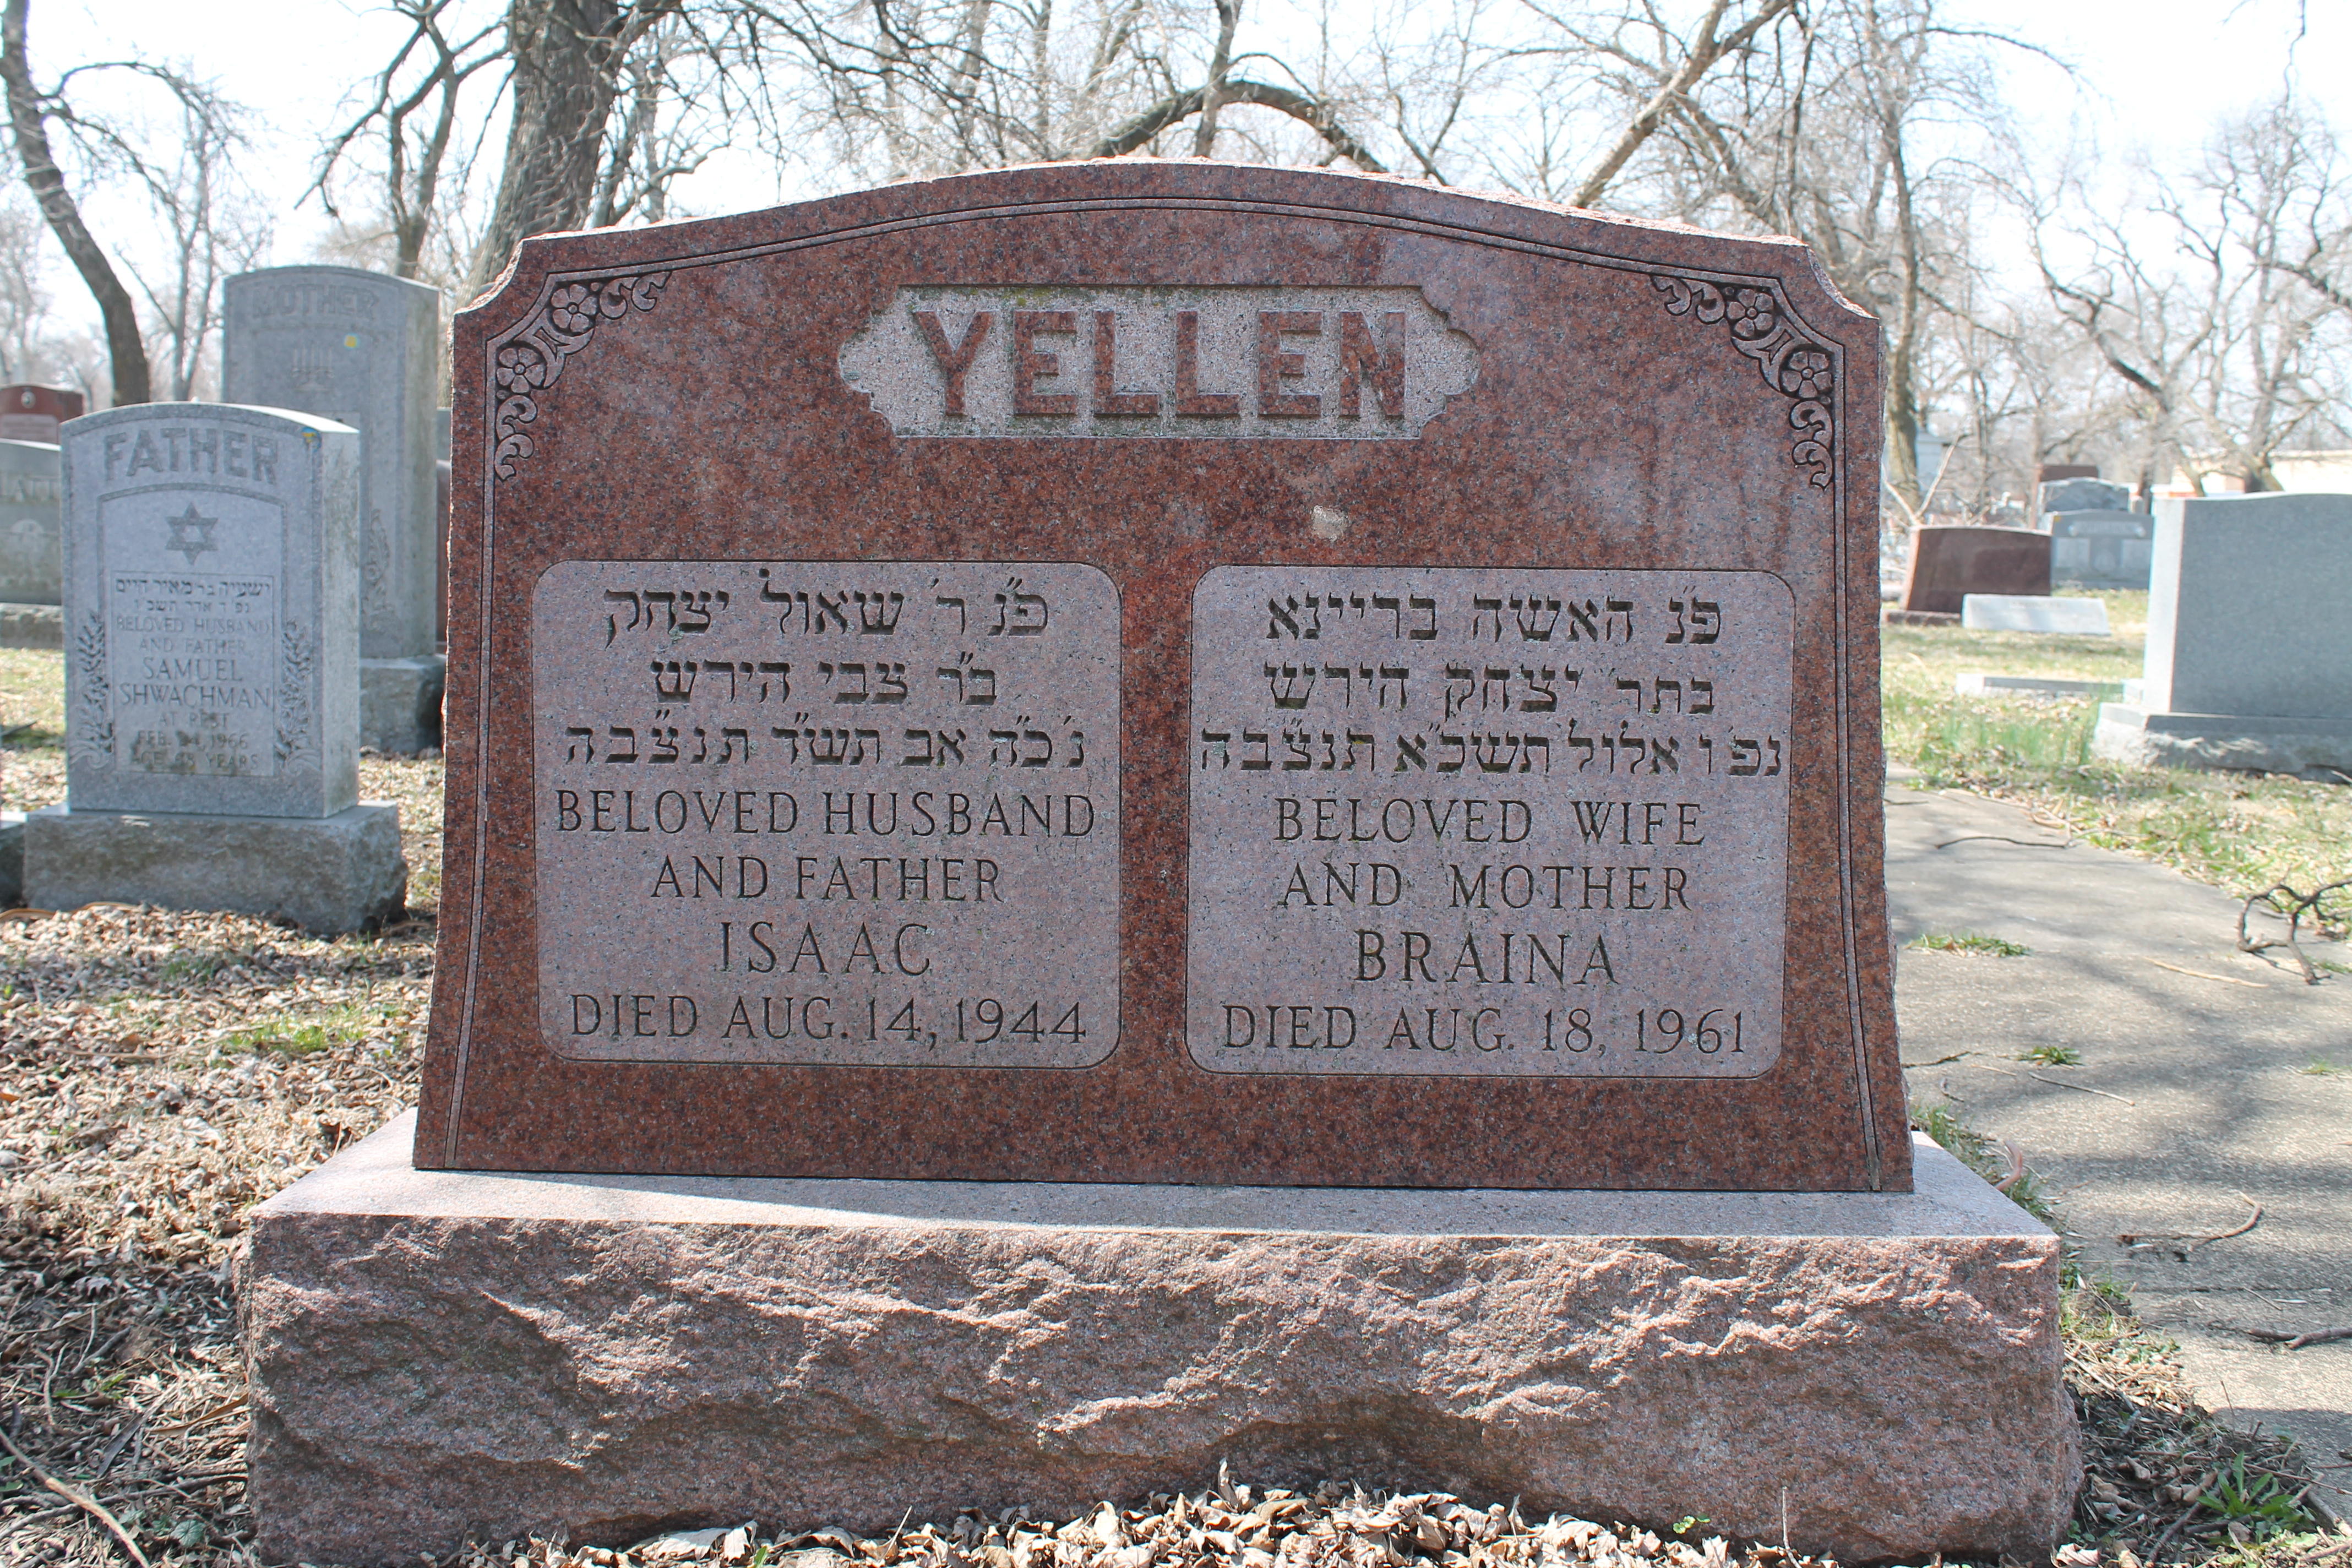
[1463, 822]
[1331, 364]
[841, 813]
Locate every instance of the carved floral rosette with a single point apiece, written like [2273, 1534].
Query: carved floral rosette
[532, 357]
[1792, 362]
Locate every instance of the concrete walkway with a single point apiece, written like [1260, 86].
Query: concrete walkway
[2194, 1095]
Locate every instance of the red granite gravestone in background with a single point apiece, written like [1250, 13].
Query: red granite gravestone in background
[1949, 563]
[34, 413]
[2050, 472]
[1159, 672]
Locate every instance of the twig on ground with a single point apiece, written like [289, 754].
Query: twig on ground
[2224, 979]
[80, 1499]
[2196, 1502]
[2294, 908]
[2295, 1341]
[2135, 1238]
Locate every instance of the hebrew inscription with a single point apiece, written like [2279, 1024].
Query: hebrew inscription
[1333, 364]
[1464, 822]
[841, 813]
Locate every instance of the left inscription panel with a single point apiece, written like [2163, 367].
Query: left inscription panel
[832, 812]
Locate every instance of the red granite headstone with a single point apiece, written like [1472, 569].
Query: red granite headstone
[1949, 562]
[2050, 472]
[1142, 671]
[34, 413]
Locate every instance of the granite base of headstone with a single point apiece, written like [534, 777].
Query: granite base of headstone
[12, 858]
[32, 626]
[1950, 562]
[326, 874]
[1977, 683]
[2034, 613]
[2249, 663]
[654, 1352]
[1085, 960]
[211, 595]
[2103, 549]
[400, 703]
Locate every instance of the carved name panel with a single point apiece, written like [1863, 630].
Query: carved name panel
[1336, 363]
[845, 813]
[1470, 822]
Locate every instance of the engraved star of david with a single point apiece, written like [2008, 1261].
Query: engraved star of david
[191, 535]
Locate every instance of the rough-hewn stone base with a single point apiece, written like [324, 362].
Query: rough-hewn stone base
[438, 1352]
[327, 874]
[2319, 748]
[400, 702]
[32, 626]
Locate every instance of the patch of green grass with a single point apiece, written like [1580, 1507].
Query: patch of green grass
[1967, 942]
[33, 697]
[293, 1035]
[2236, 831]
[195, 964]
[2257, 1501]
[2052, 1057]
[2319, 1068]
[1987, 1158]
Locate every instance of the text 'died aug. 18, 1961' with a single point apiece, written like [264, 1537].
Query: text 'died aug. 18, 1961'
[840, 813]
[1458, 821]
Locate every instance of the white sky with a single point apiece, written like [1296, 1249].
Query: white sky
[2153, 74]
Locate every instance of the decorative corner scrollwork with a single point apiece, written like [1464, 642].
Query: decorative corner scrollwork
[528, 361]
[1792, 362]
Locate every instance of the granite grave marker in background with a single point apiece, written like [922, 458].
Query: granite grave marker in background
[2099, 549]
[2249, 658]
[34, 413]
[2080, 495]
[362, 347]
[1949, 562]
[31, 551]
[211, 594]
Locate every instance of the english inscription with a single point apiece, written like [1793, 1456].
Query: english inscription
[843, 813]
[1469, 822]
[1328, 364]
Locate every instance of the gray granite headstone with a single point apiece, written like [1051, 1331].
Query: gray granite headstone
[211, 588]
[31, 563]
[2100, 549]
[2249, 658]
[359, 347]
[2080, 495]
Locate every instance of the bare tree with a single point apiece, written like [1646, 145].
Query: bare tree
[30, 113]
[411, 111]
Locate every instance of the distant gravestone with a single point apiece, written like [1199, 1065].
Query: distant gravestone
[2081, 495]
[362, 349]
[34, 413]
[210, 592]
[31, 559]
[2048, 472]
[2249, 660]
[2034, 613]
[2100, 549]
[1947, 563]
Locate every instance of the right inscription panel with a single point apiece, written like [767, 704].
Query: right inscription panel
[1459, 821]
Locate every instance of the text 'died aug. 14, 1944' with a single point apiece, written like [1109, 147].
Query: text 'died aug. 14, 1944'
[828, 812]
[1463, 821]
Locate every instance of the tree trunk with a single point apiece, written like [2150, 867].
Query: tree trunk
[567, 58]
[125, 347]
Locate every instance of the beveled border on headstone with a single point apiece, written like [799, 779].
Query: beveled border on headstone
[1619, 398]
[211, 603]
